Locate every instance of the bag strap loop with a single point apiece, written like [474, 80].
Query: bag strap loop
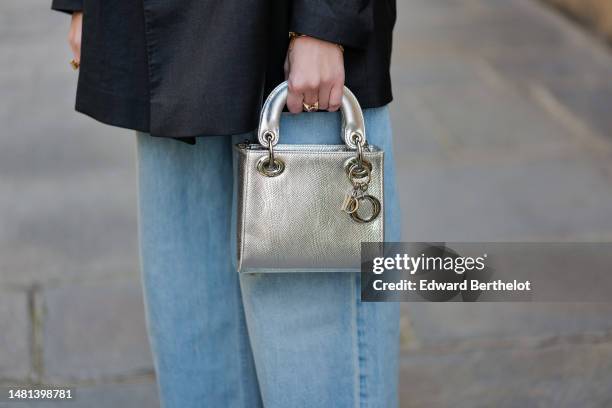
[353, 126]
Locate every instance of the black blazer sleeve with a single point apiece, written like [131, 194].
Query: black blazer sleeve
[67, 6]
[346, 22]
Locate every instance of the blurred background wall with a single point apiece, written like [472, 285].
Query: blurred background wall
[503, 133]
[595, 13]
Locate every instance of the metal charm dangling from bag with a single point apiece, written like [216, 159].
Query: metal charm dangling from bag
[359, 171]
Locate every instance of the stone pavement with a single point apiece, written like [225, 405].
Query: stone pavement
[503, 132]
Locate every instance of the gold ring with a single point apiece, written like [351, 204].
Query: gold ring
[74, 64]
[311, 108]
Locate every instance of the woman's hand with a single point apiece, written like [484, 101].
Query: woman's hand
[74, 35]
[315, 73]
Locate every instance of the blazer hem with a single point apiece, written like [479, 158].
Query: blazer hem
[123, 112]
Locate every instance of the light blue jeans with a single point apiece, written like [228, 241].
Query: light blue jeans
[224, 340]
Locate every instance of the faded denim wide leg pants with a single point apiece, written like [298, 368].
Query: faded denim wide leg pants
[282, 340]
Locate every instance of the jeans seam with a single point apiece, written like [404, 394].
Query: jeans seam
[242, 357]
[361, 348]
[355, 345]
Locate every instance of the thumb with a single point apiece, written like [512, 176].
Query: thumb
[74, 36]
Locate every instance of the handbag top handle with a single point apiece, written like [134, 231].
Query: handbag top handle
[353, 126]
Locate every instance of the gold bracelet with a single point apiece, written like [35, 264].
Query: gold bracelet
[293, 35]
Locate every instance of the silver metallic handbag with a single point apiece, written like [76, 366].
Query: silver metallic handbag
[307, 207]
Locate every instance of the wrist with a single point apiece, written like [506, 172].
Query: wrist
[294, 36]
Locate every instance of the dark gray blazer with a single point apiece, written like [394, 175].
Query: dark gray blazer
[184, 68]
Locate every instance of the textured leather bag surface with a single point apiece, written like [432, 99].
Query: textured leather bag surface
[307, 208]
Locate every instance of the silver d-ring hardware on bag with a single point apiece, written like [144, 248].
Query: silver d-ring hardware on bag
[267, 170]
[359, 176]
[358, 141]
[270, 166]
[359, 169]
[376, 207]
[350, 163]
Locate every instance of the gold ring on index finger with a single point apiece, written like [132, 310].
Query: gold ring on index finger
[311, 108]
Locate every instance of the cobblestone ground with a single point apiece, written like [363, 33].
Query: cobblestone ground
[503, 132]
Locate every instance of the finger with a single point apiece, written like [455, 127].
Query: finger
[74, 36]
[286, 67]
[324, 94]
[75, 44]
[76, 50]
[335, 98]
[294, 101]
